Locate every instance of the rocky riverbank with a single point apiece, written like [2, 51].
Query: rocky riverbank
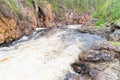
[102, 60]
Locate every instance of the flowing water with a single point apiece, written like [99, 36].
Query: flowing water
[46, 55]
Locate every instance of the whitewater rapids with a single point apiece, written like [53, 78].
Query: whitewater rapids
[45, 57]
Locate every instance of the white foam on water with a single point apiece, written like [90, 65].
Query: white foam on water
[74, 26]
[45, 58]
[41, 59]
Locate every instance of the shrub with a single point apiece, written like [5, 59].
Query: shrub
[108, 11]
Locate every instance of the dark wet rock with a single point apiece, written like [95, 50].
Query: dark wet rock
[94, 73]
[115, 36]
[102, 61]
[81, 68]
[72, 76]
[98, 71]
[97, 56]
[84, 69]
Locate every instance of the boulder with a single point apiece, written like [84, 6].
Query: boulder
[97, 56]
[115, 25]
[99, 62]
[103, 45]
[72, 76]
[115, 36]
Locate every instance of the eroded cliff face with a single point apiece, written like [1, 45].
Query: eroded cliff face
[13, 25]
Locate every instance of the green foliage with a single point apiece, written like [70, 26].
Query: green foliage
[13, 6]
[117, 44]
[28, 2]
[101, 21]
[108, 11]
[40, 2]
[60, 6]
[104, 10]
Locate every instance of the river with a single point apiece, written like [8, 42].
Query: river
[45, 55]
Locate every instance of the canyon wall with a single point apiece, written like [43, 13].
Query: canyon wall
[15, 24]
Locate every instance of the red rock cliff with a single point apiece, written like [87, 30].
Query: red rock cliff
[15, 25]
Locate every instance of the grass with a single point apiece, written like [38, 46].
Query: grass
[117, 44]
[99, 22]
[28, 2]
[13, 6]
